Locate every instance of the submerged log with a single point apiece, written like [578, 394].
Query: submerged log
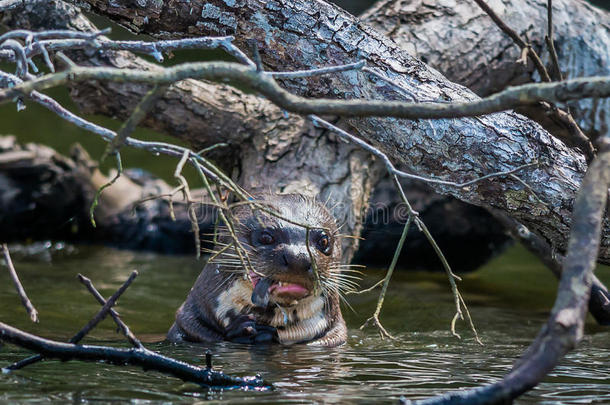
[44, 195]
[468, 235]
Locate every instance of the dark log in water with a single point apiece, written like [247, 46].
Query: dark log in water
[48, 196]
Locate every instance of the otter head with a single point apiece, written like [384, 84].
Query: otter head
[286, 261]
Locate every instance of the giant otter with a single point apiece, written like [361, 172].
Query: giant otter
[287, 298]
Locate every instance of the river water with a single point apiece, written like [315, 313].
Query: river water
[509, 299]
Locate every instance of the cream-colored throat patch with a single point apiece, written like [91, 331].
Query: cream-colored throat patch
[296, 323]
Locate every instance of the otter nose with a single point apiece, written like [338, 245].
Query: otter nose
[295, 259]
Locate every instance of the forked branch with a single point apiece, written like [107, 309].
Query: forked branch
[136, 356]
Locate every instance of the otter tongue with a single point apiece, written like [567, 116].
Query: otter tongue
[260, 294]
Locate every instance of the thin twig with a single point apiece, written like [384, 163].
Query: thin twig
[99, 191]
[371, 288]
[318, 71]
[115, 316]
[518, 40]
[189, 201]
[101, 315]
[137, 115]
[85, 330]
[549, 39]
[20, 290]
[386, 282]
[84, 40]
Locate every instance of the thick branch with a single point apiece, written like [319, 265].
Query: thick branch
[564, 328]
[137, 357]
[464, 44]
[291, 38]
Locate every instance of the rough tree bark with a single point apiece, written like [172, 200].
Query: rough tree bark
[238, 118]
[277, 151]
[314, 33]
[460, 40]
[440, 147]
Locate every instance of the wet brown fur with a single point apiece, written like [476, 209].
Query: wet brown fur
[222, 292]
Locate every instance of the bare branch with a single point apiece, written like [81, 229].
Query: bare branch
[20, 290]
[101, 315]
[550, 42]
[565, 326]
[137, 115]
[39, 42]
[386, 282]
[598, 87]
[580, 139]
[319, 71]
[115, 316]
[518, 40]
[85, 330]
[144, 358]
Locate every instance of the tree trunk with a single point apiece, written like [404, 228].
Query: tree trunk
[462, 42]
[291, 37]
[272, 150]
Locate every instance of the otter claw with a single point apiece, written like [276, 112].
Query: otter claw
[245, 330]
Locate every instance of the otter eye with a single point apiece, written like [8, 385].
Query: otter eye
[266, 238]
[324, 244]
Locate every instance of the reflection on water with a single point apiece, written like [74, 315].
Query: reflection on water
[509, 300]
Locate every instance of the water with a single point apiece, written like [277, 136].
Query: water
[509, 300]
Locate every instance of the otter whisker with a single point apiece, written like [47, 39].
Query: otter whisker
[347, 270]
[223, 283]
[340, 276]
[229, 265]
[339, 293]
[342, 287]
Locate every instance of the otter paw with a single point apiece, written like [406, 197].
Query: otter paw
[244, 329]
